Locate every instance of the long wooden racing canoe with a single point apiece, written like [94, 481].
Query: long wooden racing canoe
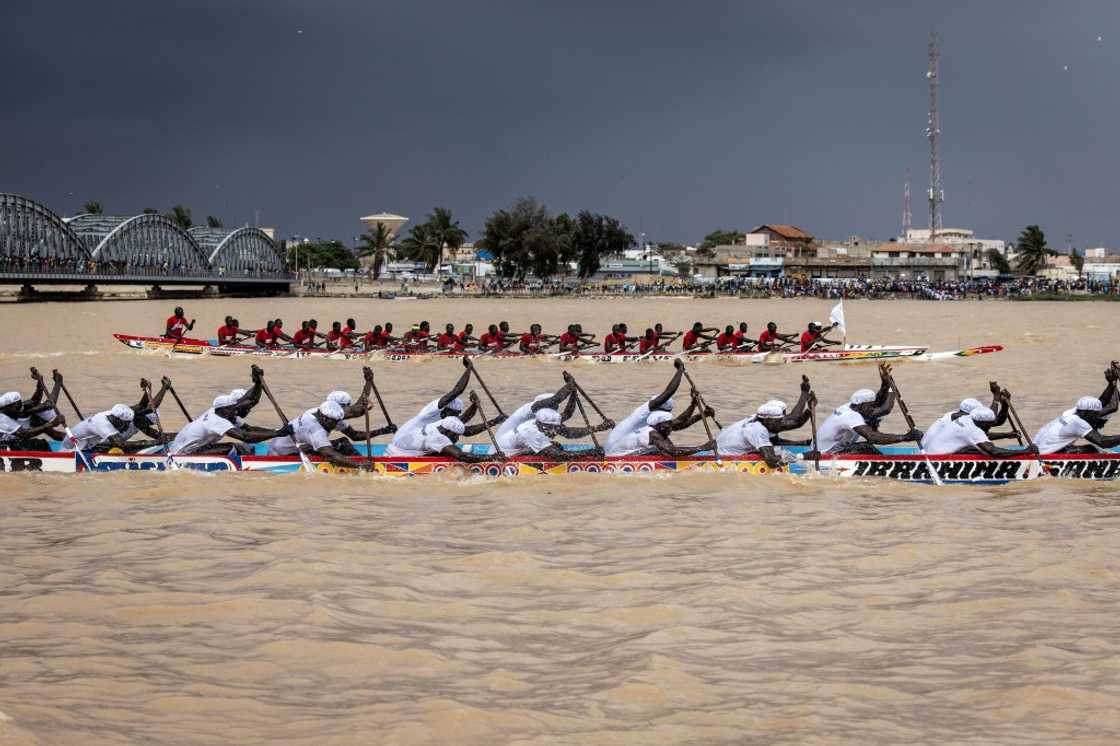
[906, 467]
[849, 354]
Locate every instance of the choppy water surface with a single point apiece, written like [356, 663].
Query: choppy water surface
[185, 608]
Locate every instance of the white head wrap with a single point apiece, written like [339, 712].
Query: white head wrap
[331, 410]
[656, 418]
[1089, 404]
[863, 396]
[236, 394]
[341, 397]
[452, 425]
[10, 398]
[455, 405]
[122, 412]
[982, 414]
[970, 404]
[772, 408]
[667, 406]
[548, 417]
[222, 401]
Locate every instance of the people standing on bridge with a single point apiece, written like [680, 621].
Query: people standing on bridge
[177, 325]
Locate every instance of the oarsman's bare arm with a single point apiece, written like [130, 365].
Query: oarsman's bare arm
[357, 435]
[459, 387]
[665, 446]
[553, 402]
[460, 455]
[884, 439]
[771, 457]
[996, 452]
[556, 453]
[674, 384]
[1102, 441]
[332, 455]
[470, 430]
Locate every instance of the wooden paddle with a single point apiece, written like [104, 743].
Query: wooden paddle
[910, 424]
[182, 408]
[694, 388]
[69, 398]
[368, 372]
[568, 377]
[54, 405]
[497, 450]
[474, 370]
[283, 421]
[704, 418]
[146, 386]
[586, 421]
[1018, 425]
[813, 424]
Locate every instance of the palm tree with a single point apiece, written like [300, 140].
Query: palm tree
[181, 216]
[375, 243]
[445, 232]
[213, 222]
[93, 207]
[1078, 262]
[1032, 251]
[421, 245]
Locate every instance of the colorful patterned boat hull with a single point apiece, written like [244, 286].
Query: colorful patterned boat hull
[900, 467]
[850, 354]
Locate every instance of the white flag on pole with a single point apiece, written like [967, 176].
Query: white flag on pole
[837, 318]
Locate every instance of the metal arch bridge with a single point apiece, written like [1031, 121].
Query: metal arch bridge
[39, 247]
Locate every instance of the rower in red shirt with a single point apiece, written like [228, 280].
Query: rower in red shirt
[177, 324]
[813, 338]
[466, 337]
[491, 339]
[387, 339]
[699, 338]
[336, 340]
[448, 341]
[371, 340]
[532, 341]
[227, 332]
[506, 337]
[611, 341]
[648, 341]
[771, 340]
[264, 336]
[726, 341]
[304, 336]
[742, 341]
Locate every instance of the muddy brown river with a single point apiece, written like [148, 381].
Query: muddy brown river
[185, 608]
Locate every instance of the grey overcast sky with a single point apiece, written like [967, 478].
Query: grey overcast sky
[676, 117]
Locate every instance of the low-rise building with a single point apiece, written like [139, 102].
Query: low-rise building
[786, 238]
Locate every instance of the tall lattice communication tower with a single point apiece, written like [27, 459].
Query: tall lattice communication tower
[933, 132]
[907, 214]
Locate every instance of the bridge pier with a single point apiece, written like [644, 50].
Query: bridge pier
[156, 292]
[28, 294]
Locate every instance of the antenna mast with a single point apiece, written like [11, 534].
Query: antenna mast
[907, 214]
[933, 132]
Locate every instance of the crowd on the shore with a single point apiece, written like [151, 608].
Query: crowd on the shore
[785, 287]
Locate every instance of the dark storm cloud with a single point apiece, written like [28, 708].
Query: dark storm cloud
[675, 117]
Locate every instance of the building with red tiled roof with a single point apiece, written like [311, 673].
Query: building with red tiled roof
[788, 238]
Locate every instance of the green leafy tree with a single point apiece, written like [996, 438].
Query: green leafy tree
[181, 216]
[722, 237]
[93, 207]
[445, 231]
[1032, 251]
[375, 243]
[213, 222]
[421, 245]
[999, 261]
[1078, 261]
[322, 254]
[598, 236]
